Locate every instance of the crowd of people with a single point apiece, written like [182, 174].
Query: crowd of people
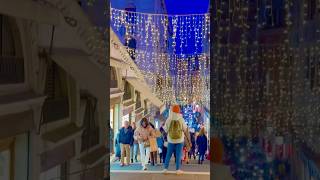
[172, 138]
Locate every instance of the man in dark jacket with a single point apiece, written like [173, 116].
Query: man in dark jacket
[125, 139]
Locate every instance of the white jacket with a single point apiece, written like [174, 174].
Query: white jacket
[175, 116]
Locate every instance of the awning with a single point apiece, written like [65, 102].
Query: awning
[145, 91]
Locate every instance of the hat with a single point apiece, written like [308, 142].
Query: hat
[176, 109]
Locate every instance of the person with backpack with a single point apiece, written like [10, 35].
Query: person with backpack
[202, 143]
[176, 127]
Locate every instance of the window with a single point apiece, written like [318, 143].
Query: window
[127, 91]
[90, 135]
[7, 159]
[138, 101]
[11, 59]
[113, 78]
[145, 107]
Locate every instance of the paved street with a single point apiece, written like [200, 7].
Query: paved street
[204, 168]
[192, 171]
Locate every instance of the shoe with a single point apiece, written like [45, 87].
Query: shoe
[179, 172]
[121, 164]
[165, 171]
[144, 168]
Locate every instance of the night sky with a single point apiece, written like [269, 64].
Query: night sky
[187, 6]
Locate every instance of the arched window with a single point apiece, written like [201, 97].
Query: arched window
[127, 91]
[113, 78]
[138, 100]
[11, 59]
[146, 107]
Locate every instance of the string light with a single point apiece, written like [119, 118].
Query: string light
[161, 46]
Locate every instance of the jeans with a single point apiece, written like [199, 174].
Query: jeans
[163, 154]
[177, 148]
[201, 158]
[134, 152]
[144, 154]
[125, 152]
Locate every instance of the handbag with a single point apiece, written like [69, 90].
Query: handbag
[146, 143]
[153, 144]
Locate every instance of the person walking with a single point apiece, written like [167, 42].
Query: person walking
[165, 143]
[142, 134]
[134, 146]
[175, 126]
[153, 147]
[187, 146]
[193, 145]
[153, 150]
[117, 148]
[202, 143]
[125, 139]
[160, 143]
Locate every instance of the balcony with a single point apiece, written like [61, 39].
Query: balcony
[55, 110]
[11, 70]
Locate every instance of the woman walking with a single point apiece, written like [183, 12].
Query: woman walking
[202, 143]
[187, 146]
[175, 126]
[153, 147]
[193, 147]
[143, 134]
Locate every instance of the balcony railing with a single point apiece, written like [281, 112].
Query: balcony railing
[11, 70]
[55, 110]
